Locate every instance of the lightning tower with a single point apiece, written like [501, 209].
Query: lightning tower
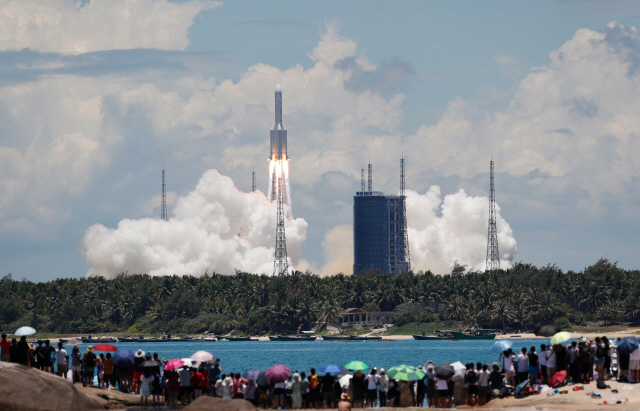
[253, 181]
[404, 266]
[163, 201]
[362, 179]
[493, 256]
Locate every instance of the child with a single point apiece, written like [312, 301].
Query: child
[100, 368]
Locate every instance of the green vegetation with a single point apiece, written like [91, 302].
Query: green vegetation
[518, 298]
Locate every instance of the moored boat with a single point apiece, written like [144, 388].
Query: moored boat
[295, 338]
[363, 338]
[475, 334]
[236, 339]
[438, 336]
[337, 337]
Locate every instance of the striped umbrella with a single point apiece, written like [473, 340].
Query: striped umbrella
[405, 373]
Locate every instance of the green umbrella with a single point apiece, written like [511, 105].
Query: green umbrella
[405, 373]
[356, 365]
[561, 337]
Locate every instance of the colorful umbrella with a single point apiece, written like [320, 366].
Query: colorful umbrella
[123, 357]
[557, 379]
[405, 373]
[547, 331]
[445, 371]
[73, 341]
[501, 345]
[25, 331]
[173, 364]
[251, 374]
[331, 368]
[105, 347]
[278, 373]
[627, 345]
[560, 337]
[356, 366]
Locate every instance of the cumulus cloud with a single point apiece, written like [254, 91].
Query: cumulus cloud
[337, 247]
[70, 26]
[215, 227]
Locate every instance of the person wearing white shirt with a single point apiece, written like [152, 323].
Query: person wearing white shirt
[523, 366]
[510, 371]
[442, 388]
[483, 383]
[634, 365]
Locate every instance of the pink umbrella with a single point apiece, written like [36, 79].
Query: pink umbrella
[278, 373]
[105, 347]
[173, 364]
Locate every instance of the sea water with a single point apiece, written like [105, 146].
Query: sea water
[241, 356]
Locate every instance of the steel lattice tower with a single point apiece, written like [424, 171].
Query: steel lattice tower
[163, 202]
[362, 179]
[493, 256]
[281, 263]
[370, 176]
[406, 265]
[253, 181]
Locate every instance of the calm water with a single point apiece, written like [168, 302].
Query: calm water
[302, 355]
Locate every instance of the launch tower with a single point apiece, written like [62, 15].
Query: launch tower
[163, 201]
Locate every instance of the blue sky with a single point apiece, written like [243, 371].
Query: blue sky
[94, 104]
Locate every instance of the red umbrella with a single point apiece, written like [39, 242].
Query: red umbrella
[105, 347]
[278, 373]
[173, 364]
[557, 379]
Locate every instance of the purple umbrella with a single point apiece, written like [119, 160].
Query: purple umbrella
[278, 373]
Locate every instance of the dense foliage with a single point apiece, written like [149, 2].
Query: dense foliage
[518, 298]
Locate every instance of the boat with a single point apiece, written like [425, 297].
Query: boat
[438, 336]
[363, 338]
[236, 339]
[337, 337]
[273, 338]
[295, 338]
[475, 334]
[127, 339]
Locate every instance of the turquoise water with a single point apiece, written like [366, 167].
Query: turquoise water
[303, 355]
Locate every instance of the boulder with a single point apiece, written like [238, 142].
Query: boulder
[28, 389]
[219, 404]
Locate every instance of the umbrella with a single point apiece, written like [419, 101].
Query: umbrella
[557, 379]
[344, 381]
[331, 368]
[522, 386]
[105, 347]
[546, 331]
[73, 341]
[501, 345]
[25, 331]
[173, 364]
[202, 356]
[150, 364]
[445, 371]
[139, 354]
[561, 337]
[190, 362]
[459, 368]
[251, 374]
[262, 380]
[628, 345]
[278, 373]
[124, 357]
[356, 365]
[405, 373]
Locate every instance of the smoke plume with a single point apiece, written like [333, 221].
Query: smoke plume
[215, 227]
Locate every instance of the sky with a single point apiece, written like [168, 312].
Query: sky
[96, 97]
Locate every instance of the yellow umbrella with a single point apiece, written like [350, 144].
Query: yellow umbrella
[561, 337]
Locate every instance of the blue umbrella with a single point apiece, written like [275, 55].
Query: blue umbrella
[124, 357]
[331, 368]
[627, 345]
[251, 374]
[500, 346]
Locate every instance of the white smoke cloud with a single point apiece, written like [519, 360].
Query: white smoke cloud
[215, 227]
[70, 26]
[442, 232]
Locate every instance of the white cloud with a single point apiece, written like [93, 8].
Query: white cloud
[215, 227]
[337, 247]
[69, 26]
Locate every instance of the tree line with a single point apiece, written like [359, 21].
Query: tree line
[518, 298]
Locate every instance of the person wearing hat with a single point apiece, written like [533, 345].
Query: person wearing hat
[430, 383]
[345, 402]
[358, 389]
[383, 385]
[89, 365]
[138, 370]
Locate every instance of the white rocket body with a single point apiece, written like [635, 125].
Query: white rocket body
[278, 132]
[278, 158]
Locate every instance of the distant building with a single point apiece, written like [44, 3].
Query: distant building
[436, 306]
[379, 224]
[355, 317]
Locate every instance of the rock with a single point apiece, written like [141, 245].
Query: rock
[219, 404]
[28, 389]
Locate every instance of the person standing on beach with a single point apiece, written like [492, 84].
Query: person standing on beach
[89, 365]
[358, 389]
[634, 365]
[4, 348]
[543, 363]
[326, 387]
[314, 389]
[109, 377]
[430, 384]
[372, 388]
[23, 351]
[533, 365]
[47, 351]
[508, 359]
[523, 366]
[62, 360]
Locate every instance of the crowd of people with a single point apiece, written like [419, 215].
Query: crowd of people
[582, 361]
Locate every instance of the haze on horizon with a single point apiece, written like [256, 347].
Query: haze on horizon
[97, 96]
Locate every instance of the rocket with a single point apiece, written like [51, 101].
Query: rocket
[278, 132]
